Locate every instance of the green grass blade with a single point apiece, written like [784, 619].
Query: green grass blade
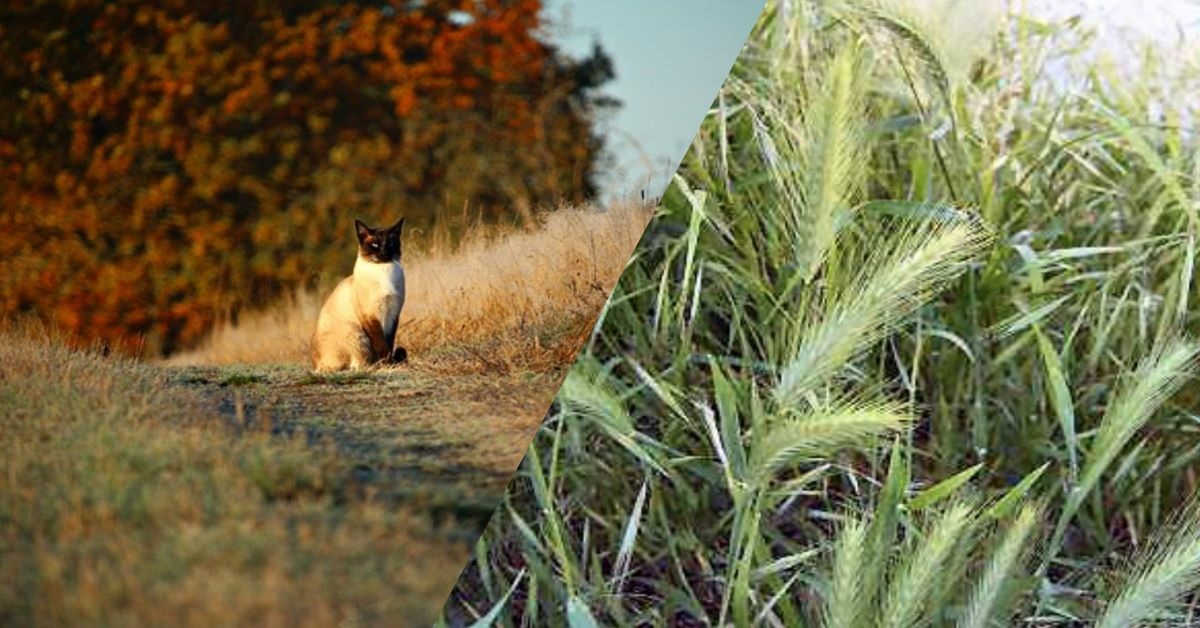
[579, 615]
[492, 615]
[1008, 503]
[1060, 398]
[943, 489]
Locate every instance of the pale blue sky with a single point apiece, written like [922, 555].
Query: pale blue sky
[671, 56]
[1164, 20]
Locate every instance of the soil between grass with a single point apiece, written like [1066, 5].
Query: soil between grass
[445, 444]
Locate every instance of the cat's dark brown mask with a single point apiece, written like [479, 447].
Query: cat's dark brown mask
[379, 246]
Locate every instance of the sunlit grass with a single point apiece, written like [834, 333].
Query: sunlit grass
[497, 300]
[126, 501]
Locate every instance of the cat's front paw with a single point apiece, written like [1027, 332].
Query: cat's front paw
[399, 355]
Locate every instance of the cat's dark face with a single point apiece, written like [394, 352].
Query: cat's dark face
[380, 246]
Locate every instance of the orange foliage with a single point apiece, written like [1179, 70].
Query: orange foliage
[163, 165]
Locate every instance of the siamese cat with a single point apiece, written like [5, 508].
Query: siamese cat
[357, 324]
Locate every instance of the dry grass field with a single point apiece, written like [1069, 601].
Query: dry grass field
[231, 486]
[498, 301]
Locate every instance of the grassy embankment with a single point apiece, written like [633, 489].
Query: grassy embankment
[912, 343]
[232, 487]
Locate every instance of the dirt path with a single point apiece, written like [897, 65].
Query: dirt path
[447, 444]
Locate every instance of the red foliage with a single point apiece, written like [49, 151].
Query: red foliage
[162, 165]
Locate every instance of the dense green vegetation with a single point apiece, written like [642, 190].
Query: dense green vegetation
[909, 343]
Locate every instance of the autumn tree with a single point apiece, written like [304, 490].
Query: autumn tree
[162, 164]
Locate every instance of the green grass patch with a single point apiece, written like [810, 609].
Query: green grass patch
[908, 343]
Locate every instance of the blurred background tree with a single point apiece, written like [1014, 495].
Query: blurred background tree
[163, 166]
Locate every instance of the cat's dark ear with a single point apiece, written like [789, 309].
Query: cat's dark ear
[362, 229]
[398, 226]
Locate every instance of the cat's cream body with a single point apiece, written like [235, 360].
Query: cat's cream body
[357, 324]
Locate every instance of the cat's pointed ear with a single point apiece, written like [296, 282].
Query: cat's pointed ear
[362, 229]
[398, 226]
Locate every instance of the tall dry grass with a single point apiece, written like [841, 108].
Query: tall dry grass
[499, 299]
